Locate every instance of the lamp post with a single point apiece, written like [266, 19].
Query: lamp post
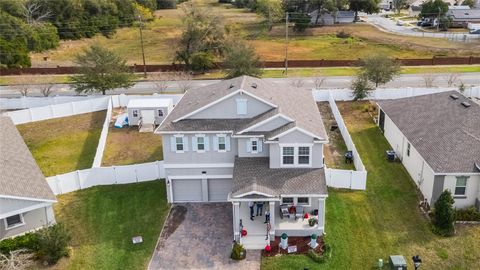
[416, 261]
[140, 24]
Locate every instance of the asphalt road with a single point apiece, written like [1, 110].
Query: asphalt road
[149, 87]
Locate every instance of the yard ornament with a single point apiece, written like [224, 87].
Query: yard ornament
[268, 248]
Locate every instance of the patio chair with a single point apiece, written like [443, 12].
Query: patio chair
[300, 212]
[284, 211]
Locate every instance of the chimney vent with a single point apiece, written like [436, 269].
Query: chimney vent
[466, 104]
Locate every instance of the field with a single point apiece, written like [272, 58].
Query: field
[64, 144]
[103, 220]
[162, 34]
[363, 227]
[128, 146]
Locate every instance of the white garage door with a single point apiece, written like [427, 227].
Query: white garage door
[187, 190]
[218, 189]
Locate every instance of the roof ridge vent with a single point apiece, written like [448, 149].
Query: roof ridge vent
[466, 104]
[454, 97]
[254, 85]
[231, 86]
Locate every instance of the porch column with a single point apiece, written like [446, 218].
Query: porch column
[321, 214]
[272, 219]
[236, 220]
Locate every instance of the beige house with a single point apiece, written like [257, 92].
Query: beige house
[25, 197]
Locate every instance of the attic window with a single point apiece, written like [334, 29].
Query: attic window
[466, 104]
[241, 106]
[453, 96]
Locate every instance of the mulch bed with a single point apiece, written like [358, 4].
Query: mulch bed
[302, 244]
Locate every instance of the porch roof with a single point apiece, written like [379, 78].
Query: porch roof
[254, 176]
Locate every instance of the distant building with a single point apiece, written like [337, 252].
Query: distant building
[462, 17]
[327, 18]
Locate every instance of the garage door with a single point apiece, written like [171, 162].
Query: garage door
[218, 189]
[187, 190]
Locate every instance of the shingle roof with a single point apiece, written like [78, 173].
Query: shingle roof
[20, 175]
[462, 14]
[297, 104]
[441, 129]
[254, 175]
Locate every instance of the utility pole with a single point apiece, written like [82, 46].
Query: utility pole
[286, 43]
[143, 51]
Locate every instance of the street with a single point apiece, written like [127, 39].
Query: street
[149, 87]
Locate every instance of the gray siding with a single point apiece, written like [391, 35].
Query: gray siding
[242, 149]
[227, 109]
[292, 138]
[193, 157]
[34, 219]
[133, 121]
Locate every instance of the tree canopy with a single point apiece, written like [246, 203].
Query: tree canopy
[101, 70]
[431, 8]
[240, 59]
[379, 69]
[367, 6]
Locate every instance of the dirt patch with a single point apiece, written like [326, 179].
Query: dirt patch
[174, 219]
[333, 151]
[302, 244]
[357, 114]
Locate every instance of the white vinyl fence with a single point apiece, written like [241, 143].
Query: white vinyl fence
[32, 102]
[72, 181]
[350, 179]
[102, 142]
[389, 93]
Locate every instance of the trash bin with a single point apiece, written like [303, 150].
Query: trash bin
[390, 155]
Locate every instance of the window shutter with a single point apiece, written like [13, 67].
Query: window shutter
[207, 143]
[260, 145]
[194, 143]
[215, 143]
[172, 144]
[248, 143]
[185, 143]
[227, 143]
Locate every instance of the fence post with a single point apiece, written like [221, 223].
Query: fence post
[73, 107]
[59, 186]
[30, 114]
[78, 179]
[114, 174]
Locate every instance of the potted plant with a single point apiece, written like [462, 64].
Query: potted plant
[238, 252]
[312, 221]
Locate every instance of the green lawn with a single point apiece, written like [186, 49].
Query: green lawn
[363, 226]
[103, 221]
[64, 144]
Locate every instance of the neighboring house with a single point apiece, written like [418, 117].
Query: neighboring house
[25, 197]
[247, 140]
[155, 110]
[462, 17]
[437, 138]
[326, 18]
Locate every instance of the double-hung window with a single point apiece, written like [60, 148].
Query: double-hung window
[304, 155]
[303, 201]
[14, 221]
[135, 113]
[408, 149]
[160, 113]
[201, 143]
[461, 186]
[254, 146]
[287, 200]
[179, 144]
[288, 155]
[222, 143]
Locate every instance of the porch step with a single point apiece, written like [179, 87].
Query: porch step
[254, 242]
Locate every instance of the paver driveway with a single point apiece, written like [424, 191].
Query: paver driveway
[199, 236]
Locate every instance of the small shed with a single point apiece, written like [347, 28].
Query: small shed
[149, 109]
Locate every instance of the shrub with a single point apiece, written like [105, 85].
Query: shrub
[53, 243]
[27, 241]
[444, 214]
[342, 34]
[320, 258]
[202, 61]
[238, 252]
[467, 214]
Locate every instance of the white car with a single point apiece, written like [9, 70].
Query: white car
[400, 23]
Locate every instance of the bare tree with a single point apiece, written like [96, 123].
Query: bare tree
[161, 80]
[319, 81]
[428, 78]
[183, 80]
[46, 89]
[34, 12]
[23, 84]
[452, 78]
[17, 260]
[297, 83]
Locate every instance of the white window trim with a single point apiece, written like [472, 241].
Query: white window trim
[183, 144]
[293, 201]
[200, 136]
[455, 188]
[16, 225]
[158, 113]
[303, 204]
[242, 101]
[218, 143]
[251, 145]
[295, 155]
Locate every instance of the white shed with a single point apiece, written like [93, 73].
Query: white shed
[149, 109]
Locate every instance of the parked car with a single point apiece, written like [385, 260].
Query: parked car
[475, 31]
[399, 23]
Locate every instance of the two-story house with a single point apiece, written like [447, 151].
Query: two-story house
[247, 140]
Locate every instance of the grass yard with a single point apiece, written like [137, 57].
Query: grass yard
[64, 144]
[103, 221]
[363, 226]
[161, 35]
[128, 146]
